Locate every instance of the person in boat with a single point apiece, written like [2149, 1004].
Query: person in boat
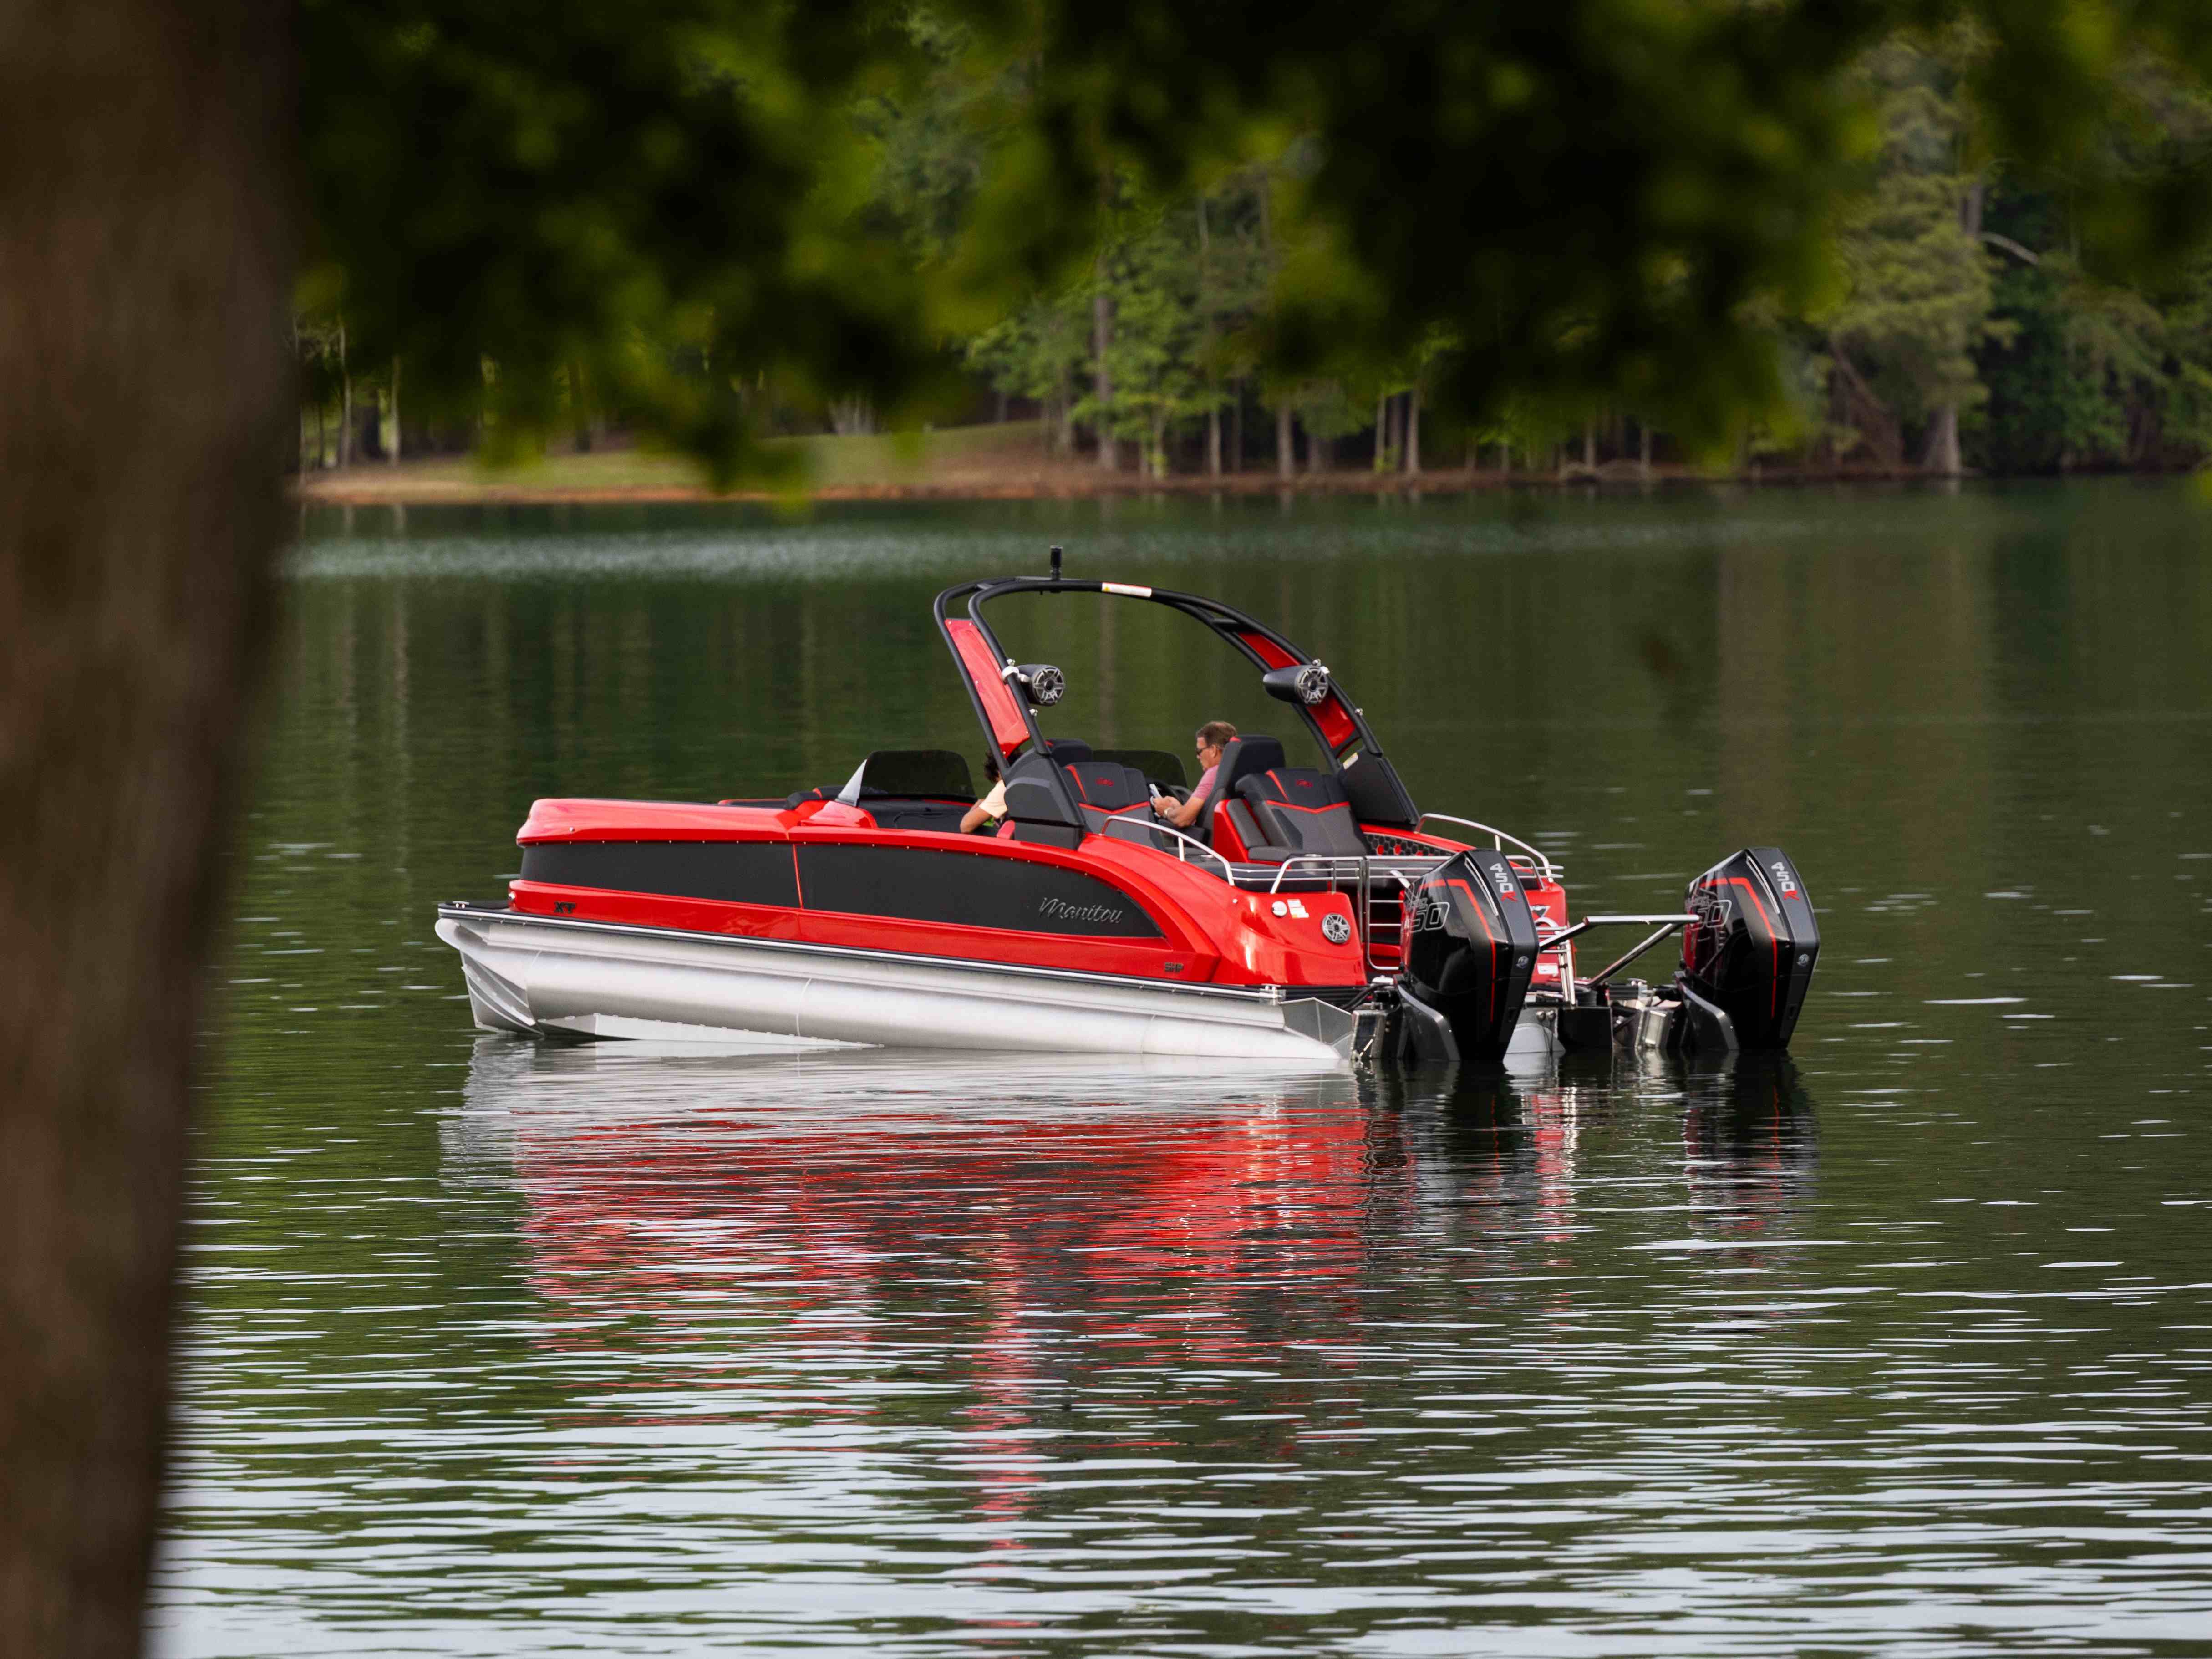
[983, 817]
[1210, 739]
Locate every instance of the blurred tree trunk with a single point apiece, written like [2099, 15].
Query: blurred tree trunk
[345, 403]
[1102, 340]
[1206, 351]
[1413, 431]
[580, 421]
[391, 455]
[1235, 460]
[1942, 456]
[145, 220]
[1284, 458]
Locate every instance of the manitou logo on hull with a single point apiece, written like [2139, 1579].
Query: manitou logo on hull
[1061, 911]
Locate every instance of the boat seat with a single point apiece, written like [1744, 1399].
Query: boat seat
[1108, 784]
[1306, 811]
[1157, 764]
[909, 814]
[1257, 847]
[1108, 789]
[1245, 756]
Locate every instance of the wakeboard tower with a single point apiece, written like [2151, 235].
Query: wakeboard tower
[1311, 915]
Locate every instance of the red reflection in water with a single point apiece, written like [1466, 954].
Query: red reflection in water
[811, 1239]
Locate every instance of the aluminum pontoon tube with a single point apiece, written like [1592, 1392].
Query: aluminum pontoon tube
[549, 975]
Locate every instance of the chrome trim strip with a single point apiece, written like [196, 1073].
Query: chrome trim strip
[460, 910]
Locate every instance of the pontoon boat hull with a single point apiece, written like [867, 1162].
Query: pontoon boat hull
[553, 976]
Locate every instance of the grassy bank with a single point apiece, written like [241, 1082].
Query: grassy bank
[1004, 460]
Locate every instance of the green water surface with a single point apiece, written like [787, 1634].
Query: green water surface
[1905, 1348]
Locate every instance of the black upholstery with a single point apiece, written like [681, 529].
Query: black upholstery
[1108, 784]
[906, 814]
[1157, 764]
[1257, 847]
[1299, 808]
[1064, 749]
[1108, 789]
[1245, 756]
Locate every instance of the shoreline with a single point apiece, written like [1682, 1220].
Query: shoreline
[362, 486]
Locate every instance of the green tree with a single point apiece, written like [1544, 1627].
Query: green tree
[1040, 352]
[672, 195]
[1917, 295]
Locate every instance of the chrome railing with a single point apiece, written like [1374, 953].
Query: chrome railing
[1142, 833]
[1498, 839]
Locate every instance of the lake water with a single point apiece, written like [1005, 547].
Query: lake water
[1905, 1348]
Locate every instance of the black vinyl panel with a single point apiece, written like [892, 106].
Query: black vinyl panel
[975, 889]
[740, 872]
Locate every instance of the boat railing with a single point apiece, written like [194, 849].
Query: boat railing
[1334, 866]
[1498, 839]
[1380, 913]
[1146, 833]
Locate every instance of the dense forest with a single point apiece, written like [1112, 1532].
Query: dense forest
[1957, 325]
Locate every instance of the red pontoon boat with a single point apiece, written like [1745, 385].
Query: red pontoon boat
[1310, 914]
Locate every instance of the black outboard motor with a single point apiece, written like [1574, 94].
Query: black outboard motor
[1470, 945]
[1749, 957]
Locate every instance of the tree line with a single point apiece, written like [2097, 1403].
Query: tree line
[1958, 323]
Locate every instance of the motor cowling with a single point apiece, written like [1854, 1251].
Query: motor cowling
[1750, 951]
[1470, 945]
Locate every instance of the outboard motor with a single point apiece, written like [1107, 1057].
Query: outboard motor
[1470, 945]
[1748, 959]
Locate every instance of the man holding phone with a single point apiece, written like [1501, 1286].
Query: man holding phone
[1212, 738]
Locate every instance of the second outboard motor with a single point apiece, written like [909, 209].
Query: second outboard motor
[1470, 946]
[1749, 954]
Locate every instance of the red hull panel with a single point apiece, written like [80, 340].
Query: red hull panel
[1206, 931]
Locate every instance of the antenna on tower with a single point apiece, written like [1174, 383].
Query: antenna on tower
[1055, 562]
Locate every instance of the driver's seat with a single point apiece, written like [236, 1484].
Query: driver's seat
[1246, 757]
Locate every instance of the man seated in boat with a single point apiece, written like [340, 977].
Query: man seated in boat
[985, 814]
[1212, 738]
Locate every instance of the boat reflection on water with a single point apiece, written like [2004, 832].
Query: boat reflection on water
[872, 1178]
[875, 1182]
[1750, 1152]
[994, 1254]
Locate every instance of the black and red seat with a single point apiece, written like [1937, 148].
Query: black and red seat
[1304, 811]
[1107, 789]
[1282, 812]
